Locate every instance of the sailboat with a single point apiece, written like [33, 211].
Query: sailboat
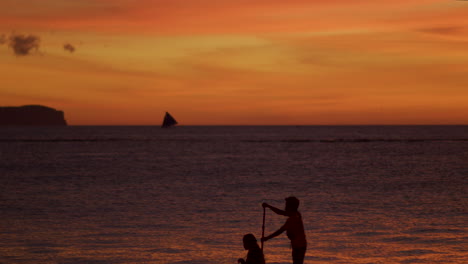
[168, 121]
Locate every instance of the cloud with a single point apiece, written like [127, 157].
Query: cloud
[69, 47]
[453, 30]
[3, 39]
[23, 44]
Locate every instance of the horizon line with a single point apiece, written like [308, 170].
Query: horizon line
[271, 125]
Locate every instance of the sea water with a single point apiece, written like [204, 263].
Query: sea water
[118, 195]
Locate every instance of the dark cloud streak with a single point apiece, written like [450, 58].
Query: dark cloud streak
[23, 44]
[69, 47]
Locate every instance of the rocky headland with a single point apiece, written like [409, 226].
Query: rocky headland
[31, 115]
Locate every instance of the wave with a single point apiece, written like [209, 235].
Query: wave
[360, 140]
[337, 140]
[69, 140]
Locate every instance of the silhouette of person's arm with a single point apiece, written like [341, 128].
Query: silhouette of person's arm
[274, 209]
[276, 233]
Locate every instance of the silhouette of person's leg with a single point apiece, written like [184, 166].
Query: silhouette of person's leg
[298, 255]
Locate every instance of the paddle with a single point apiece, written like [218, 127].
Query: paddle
[263, 227]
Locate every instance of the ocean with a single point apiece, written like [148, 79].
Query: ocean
[188, 194]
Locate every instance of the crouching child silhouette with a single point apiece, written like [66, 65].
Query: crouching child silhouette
[255, 254]
[294, 228]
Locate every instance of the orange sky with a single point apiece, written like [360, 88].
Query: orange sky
[240, 62]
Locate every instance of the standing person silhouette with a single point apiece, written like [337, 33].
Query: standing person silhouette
[294, 228]
[255, 255]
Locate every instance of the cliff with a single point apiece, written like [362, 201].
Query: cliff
[31, 115]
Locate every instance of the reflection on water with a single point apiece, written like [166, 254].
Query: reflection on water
[144, 195]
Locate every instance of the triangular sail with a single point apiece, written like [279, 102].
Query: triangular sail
[168, 121]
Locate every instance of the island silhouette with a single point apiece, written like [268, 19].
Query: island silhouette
[31, 115]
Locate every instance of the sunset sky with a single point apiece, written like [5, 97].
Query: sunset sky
[238, 62]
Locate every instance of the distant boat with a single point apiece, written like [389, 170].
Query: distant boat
[168, 121]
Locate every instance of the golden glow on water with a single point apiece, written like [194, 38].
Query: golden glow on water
[332, 240]
[126, 195]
